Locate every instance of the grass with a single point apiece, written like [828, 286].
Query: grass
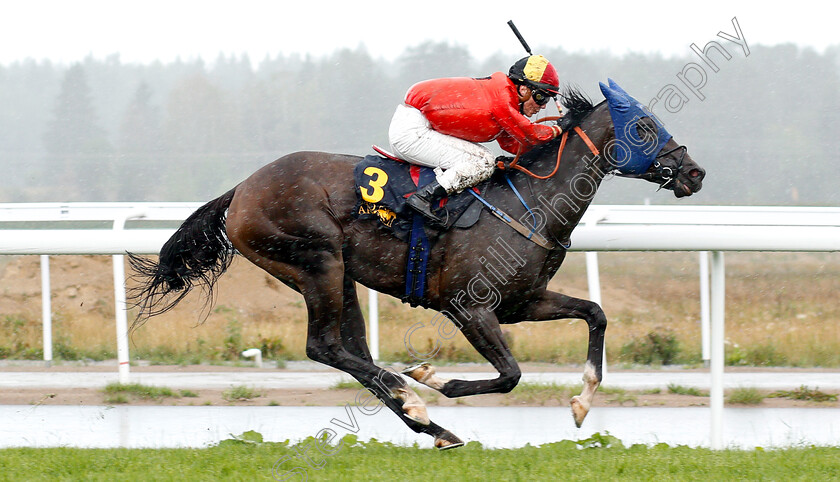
[745, 396]
[121, 393]
[681, 390]
[116, 399]
[241, 393]
[620, 396]
[781, 311]
[599, 457]
[347, 385]
[529, 392]
[430, 396]
[805, 393]
[543, 393]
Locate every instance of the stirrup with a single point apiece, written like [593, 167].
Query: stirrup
[425, 209]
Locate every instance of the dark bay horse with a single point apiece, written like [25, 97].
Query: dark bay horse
[293, 219]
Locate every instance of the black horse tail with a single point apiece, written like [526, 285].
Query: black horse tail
[197, 254]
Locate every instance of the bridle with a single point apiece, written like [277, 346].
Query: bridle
[660, 172]
[667, 174]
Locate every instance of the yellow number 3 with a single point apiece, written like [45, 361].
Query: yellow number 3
[375, 194]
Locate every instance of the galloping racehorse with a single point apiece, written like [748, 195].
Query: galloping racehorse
[293, 219]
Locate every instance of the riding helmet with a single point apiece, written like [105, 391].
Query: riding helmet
[536, 72]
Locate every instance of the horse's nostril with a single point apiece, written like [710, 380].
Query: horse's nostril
[694, 172]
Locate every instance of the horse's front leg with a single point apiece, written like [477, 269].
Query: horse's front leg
[484, 334]
[553, 306]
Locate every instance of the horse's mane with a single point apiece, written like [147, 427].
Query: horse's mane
[577, 105]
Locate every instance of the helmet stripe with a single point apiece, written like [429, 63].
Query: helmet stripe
[535, 68]
[540, 71]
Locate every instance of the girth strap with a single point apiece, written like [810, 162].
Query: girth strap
[530, 234]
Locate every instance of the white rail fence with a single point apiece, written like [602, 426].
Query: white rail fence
[51, 229]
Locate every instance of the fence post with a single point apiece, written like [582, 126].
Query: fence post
[46, 309]
[717, 350]
[373, 314]
[705, 321]
[593, 279]
[120, 307]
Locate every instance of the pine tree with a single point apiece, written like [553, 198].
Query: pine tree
[78, 149]
[140, 148]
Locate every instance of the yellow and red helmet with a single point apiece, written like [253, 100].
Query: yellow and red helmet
[536, 72]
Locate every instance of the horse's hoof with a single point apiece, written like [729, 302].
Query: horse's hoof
[579, 410]
[447, 440]
[421, 372]
[417, 413]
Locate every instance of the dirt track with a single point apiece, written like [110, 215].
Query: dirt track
[338, 397]
[521, 396]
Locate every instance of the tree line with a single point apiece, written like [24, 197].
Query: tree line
[104, 130]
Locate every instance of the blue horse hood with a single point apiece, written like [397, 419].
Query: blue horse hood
[631, 154]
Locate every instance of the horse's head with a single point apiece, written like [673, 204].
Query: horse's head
[674, 169]
[643, 149]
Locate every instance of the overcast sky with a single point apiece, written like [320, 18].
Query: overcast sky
[148, 30]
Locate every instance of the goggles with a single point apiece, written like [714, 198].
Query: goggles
[541, 97]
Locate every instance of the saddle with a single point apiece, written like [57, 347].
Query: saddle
[383, 184]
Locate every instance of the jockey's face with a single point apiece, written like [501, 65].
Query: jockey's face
[530, 106]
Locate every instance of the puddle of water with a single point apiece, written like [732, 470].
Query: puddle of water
[497, 427]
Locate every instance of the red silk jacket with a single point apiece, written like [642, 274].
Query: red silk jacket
[478, 110]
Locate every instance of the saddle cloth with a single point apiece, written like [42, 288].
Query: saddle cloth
[382, 186]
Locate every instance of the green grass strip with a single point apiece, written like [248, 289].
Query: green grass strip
[139, 390]
[601, 457]
[805, 393]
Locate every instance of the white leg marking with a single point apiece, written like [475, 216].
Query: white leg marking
[425, 373]
[583, 402]
[413, 406]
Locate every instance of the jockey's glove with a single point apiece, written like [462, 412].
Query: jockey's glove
[565, 123]
[503, 162]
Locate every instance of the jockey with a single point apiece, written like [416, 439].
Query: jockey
[442, 120]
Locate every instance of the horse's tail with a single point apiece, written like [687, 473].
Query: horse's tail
[197, 254]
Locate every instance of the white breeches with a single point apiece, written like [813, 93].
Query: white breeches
[458, 164]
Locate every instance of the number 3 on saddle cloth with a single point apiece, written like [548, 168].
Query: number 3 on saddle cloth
[382, 185]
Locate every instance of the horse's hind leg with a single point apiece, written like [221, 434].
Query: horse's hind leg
[314, 267]
[354, 341]
[336, 338]
[353, 334]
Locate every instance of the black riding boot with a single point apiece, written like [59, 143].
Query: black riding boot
[421, 201]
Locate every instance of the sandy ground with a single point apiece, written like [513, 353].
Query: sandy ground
[337, 397]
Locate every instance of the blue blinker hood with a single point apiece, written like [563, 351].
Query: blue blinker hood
[631, 154]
